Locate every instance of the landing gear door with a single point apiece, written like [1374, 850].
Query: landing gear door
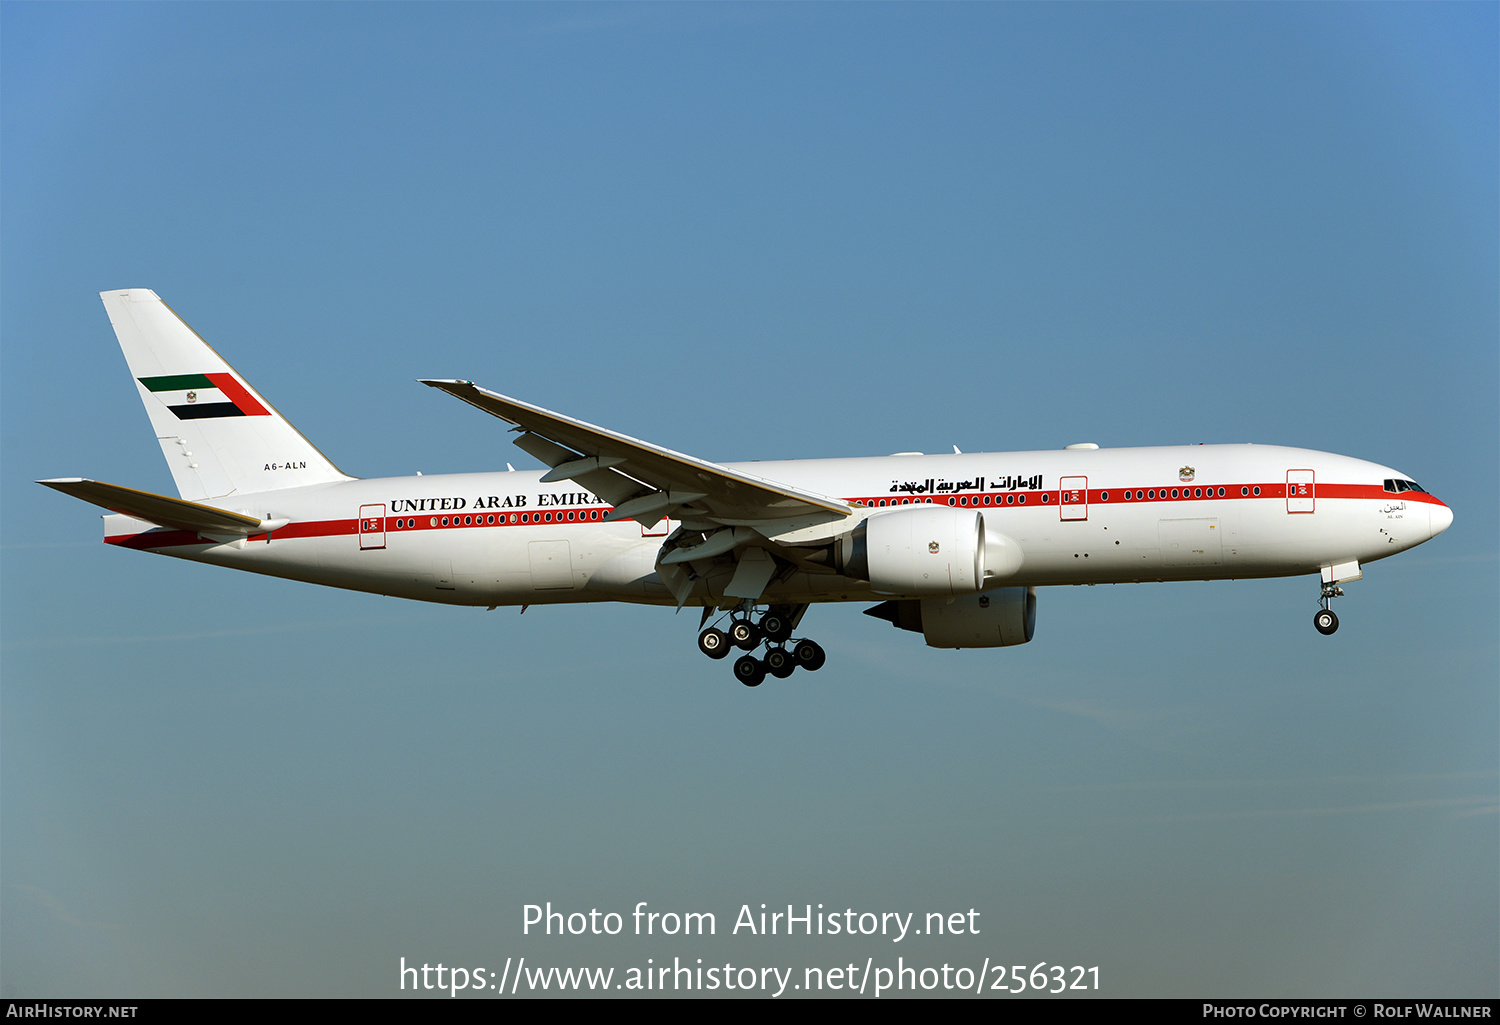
[1073, 498]
[1301, 491]
[372, 526]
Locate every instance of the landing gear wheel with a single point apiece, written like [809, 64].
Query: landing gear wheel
[776, 627]
[809, 655]
[749, 670]
[1326, 621]
[779, 663]
[713, 643]
[744, 634]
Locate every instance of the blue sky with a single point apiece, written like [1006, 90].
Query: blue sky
[752, 231]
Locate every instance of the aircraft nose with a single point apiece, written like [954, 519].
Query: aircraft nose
[1440, 518]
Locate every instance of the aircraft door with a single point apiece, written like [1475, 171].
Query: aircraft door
[1073, 498]
[372, 526]
[1301, 491]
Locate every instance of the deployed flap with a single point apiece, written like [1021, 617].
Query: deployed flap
[754, 572]
[169, 512]
[618, 468]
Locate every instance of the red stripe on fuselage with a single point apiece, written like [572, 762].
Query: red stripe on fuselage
[1157, 494]
[335, 528]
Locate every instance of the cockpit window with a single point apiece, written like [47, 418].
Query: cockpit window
[1398, 486]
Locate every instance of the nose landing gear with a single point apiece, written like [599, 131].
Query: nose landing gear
[774, 628]
[1324, 620]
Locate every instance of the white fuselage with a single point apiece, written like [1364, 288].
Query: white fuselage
[1078, 516]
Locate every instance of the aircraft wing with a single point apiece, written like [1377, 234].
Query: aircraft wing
[169, 512]
[645, 482]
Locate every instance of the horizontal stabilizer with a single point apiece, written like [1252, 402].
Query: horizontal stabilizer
[169, 512]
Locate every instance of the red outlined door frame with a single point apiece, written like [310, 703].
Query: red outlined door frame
[1073, 498]
[1301, 491]
[371, 526]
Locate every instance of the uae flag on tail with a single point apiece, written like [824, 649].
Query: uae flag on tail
[204, 396]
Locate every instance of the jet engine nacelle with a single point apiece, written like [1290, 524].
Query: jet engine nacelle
[995, 619]
[927, 549]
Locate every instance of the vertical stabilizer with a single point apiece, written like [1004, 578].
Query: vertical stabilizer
[219, 436]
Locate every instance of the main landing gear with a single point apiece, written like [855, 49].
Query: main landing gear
[774, 628]
[1324, 620]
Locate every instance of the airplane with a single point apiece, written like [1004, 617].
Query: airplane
[951, 546]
